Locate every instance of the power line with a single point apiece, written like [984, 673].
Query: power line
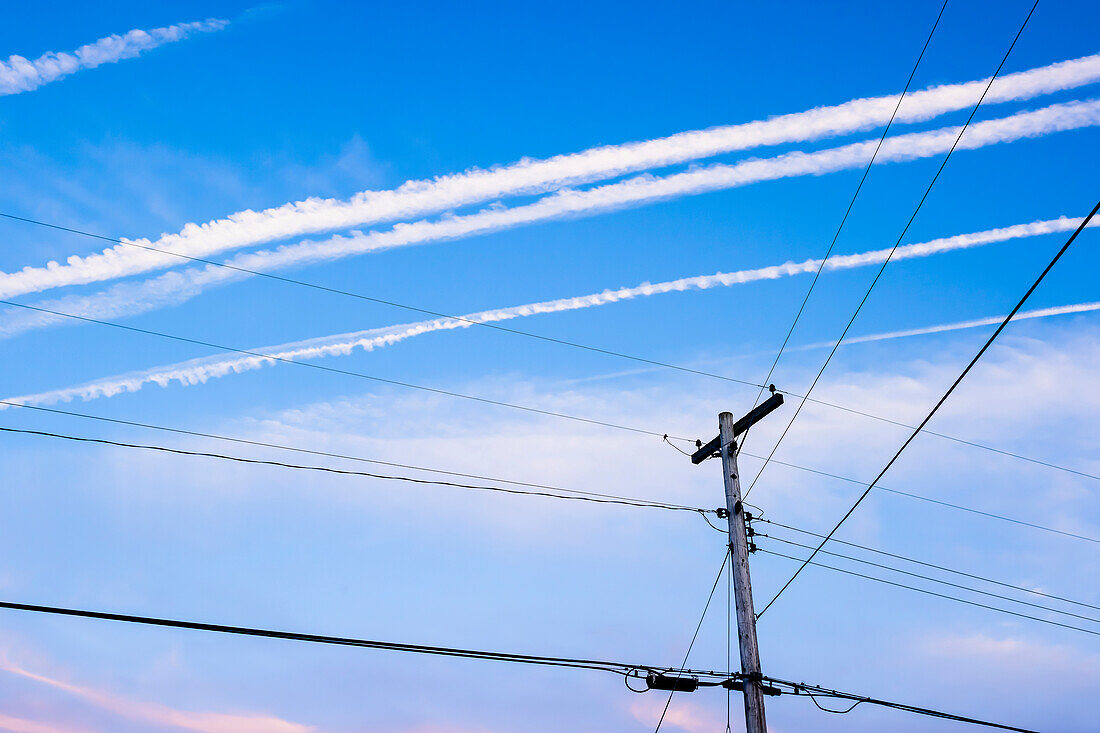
[939, 502]
[950, 389]
[893, 249]
[851, 203]
[927, 592]
[381, 301]
[477, 477]
[616, 667]
[327, 454]
[712, 678]
[926, 564]
[945, 436]
[813, 692]
[703, 615]
[934, 580]
[160, 448]
[632, 357]
[347, 372]
[581, 496]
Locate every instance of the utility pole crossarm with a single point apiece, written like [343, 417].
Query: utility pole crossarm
[757, 414]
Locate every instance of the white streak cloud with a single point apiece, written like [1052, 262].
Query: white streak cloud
[18, 74]
[198, 371]
[176, 287]
[416, 198]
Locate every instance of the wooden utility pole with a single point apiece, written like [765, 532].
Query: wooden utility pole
[726, 446]
[742, 586]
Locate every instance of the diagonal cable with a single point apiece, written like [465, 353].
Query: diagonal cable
[844, 219]
[721, 571]
[901, 236]
[936, 407]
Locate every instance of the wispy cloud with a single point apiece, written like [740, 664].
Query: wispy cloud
[158, 714]
[176, 287]
[22, 725]
[1062, 660]
[19, 74]
[197, 371]
[1002, 657]
[416, 198]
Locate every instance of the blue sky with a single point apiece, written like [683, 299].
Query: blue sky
[327, 103]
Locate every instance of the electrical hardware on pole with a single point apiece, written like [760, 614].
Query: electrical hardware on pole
[750, 681]
[711, 449]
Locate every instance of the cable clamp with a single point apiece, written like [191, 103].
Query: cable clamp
[738, 684]
[659, 681]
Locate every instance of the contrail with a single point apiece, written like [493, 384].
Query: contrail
[18, 74]
[1060, 310]
[176, 287]
[198, 371]
[417, 198]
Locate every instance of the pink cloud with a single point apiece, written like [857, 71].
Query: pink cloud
[155, 713]
[683, 714]
[436, 727]
[21, 725]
